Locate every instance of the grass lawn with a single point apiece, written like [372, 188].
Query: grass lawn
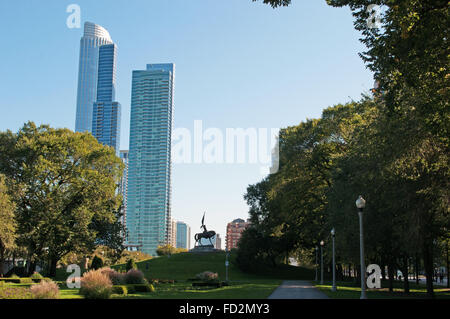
[184, 266]
[351, 290]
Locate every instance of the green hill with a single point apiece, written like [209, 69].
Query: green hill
[183, 266]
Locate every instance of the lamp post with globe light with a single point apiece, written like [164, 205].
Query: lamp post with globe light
[333, 288]
[317, 263]
[360, 204]
[321, 262]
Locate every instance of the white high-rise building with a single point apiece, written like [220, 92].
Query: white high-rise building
[93, 38]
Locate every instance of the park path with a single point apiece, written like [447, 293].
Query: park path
[297, 289]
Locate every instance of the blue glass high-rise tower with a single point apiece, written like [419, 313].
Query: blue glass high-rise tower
[93, 38]
[106, 113]
[149, 166]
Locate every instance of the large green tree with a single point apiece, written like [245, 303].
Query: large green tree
[64, 187]
[7, 222]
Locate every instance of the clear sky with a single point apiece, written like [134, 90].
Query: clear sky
[238, 64]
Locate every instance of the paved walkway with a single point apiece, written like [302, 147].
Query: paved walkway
[297, 289]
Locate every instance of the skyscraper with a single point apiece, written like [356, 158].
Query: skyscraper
[106, 112]
[123, 187]
[173, 233]
[149, 170]
[93, 38]
[183, 235]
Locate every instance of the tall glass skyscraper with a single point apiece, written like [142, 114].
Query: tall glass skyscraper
[93, 38]
[183, 235]
[106, 113]
[149, 166]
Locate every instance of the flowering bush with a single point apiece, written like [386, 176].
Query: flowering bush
[207, 276]
[45, 290]
[134, 276]
[15, 293]
[96, 285]
[116, 278]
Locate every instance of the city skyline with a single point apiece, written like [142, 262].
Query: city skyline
[320, 67]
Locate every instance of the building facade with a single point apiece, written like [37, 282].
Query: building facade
[234, 232]
[94, 37]
[106, 112]
[218, 242]
[173, 233]
[123, 187]
[183, 235]
[149, 168]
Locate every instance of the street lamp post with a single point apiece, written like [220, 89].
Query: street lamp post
[333, 288]
[321, 262]
[317, 263]
[226, 266]
[360, 204]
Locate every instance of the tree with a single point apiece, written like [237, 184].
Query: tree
[409, 58]
[8, 223]
[276, 3]
[64, 189]
[169, 250]
[131, 264]
[97, 263]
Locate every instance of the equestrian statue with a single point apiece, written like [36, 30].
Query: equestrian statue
[206, 234]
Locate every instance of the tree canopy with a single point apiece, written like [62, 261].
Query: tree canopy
[64, 187]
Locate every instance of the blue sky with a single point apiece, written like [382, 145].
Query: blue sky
[238, 64]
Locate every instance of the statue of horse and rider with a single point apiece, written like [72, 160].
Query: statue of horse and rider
[206, 234]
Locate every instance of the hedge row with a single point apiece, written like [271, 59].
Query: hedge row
[129, 289]
[23, 280]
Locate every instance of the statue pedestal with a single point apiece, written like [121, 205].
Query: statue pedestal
[204, 249]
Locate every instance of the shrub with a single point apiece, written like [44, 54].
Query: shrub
[131, 289]
[131, 264]
[97, 263]
[15, 293]
[26, 280]
[134, 276]
[95, 285]
[45, 290]
[144, 288]
[121, 290]
[207, 276]
[14, 276]
[116, 278]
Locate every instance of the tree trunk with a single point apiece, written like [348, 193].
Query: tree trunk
[428, 265]
[448, 281]
[340, 272]
[52, 267]
[391, 277]
[417, 270]
[405, 275]
[2, 259]
[31, 267]
[358, 274]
